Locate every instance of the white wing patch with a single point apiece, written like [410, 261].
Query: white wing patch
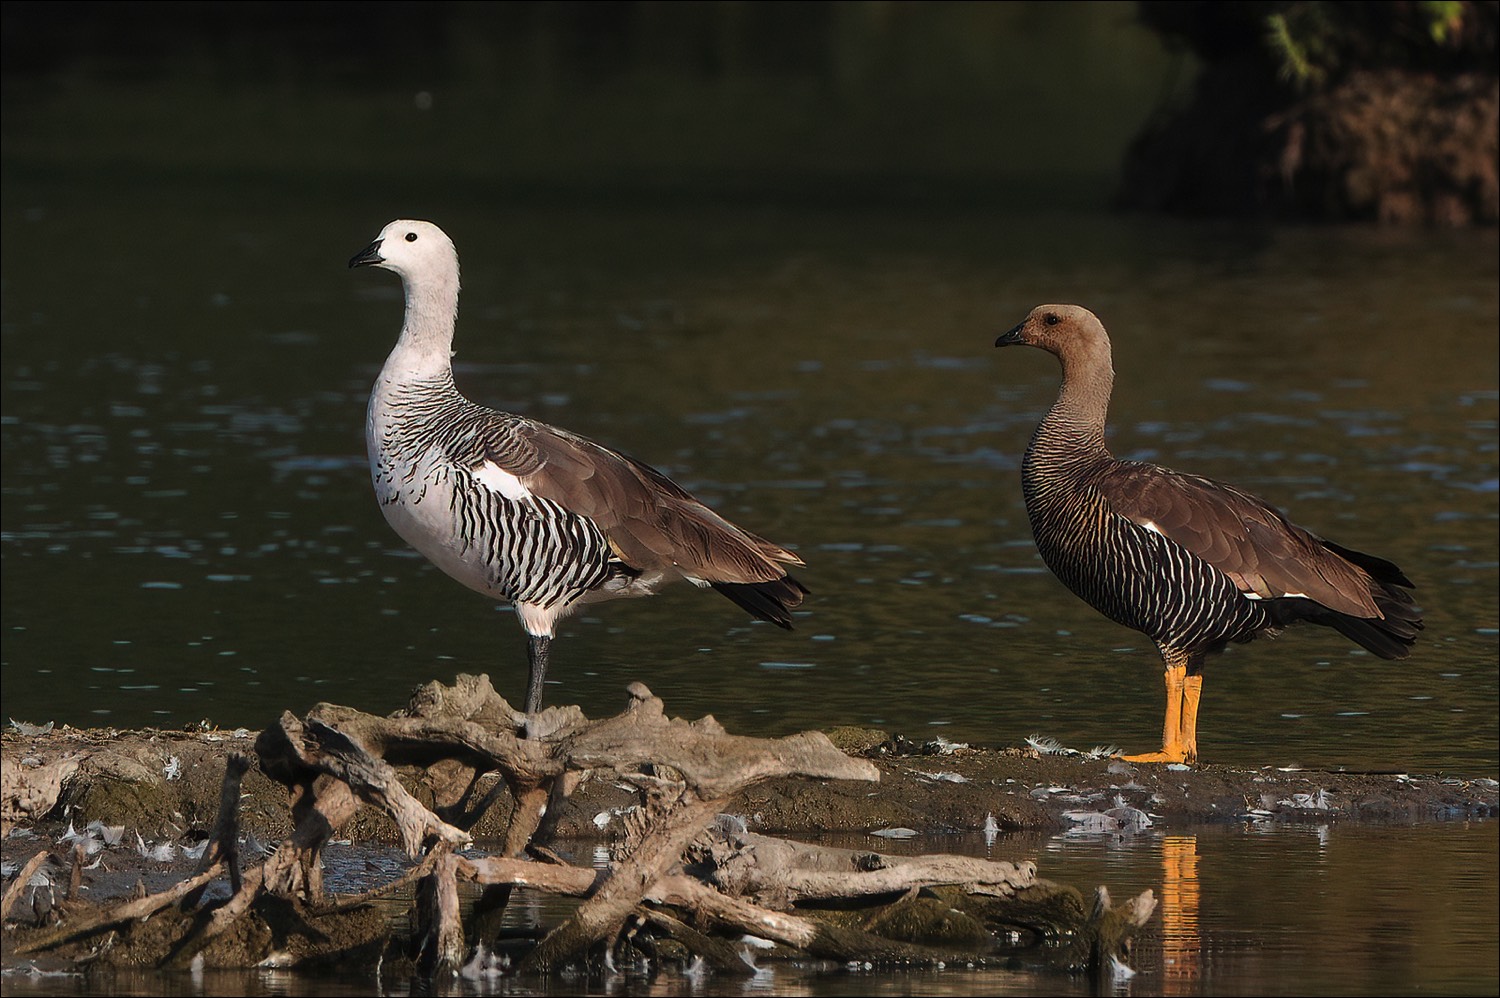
[492, 476]
[1143, 523]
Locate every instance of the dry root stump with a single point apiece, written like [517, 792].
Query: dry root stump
[685, 881]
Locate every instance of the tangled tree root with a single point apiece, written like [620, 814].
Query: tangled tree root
[683, 880]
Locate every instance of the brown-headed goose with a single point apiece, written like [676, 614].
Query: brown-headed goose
[1191, 563]
[525, 512]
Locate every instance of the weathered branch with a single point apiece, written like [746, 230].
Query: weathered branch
[781, 873]
[817, 938]
[601, 916]
[440, 931]
[713, 764]
[375, 781]
[320, 807]
[552, 878]
[18, 886]
[99, 920]
[721, 955]
[687, 892]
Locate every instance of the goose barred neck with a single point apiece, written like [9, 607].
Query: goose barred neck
[1062, 447]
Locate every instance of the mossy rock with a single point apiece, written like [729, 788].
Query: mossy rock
[929, 920]
[140, 805]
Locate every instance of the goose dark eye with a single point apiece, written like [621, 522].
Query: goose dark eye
[1050, 320]
[411, 237]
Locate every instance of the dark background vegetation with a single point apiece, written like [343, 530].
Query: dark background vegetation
[890, 100]
[1320, 110]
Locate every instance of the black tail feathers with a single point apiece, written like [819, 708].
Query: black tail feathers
[1391, 635]
[1390, 638]
[1382, 571]
[771, 601]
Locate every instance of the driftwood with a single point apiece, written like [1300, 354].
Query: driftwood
[30, 792]
[683, 877]
[14, 891]
[779, 872]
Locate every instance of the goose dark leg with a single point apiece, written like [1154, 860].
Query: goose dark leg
[1172, 746]
[537, 651]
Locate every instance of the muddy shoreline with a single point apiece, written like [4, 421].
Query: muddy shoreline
[137, 818]
[166, 783]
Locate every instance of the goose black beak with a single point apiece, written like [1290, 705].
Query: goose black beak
[368, 256]
[1010, 338]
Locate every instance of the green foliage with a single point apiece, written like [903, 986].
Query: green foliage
[1314, 41]
[1299, 37]
[1444, 18]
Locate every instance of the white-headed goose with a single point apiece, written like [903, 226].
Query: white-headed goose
[525, 512]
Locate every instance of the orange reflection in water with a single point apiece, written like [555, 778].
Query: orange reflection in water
[1181, 945]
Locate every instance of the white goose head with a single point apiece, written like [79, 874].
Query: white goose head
[415, 250]
[423, 256]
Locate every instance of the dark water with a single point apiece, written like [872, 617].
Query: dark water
[187, 529]
[1253, 909]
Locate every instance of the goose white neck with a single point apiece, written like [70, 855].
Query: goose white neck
[425, 348]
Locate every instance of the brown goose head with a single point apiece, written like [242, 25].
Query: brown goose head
[1073, 333]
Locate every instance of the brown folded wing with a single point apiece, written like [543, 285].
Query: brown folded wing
[650, 521]
[1248, 540]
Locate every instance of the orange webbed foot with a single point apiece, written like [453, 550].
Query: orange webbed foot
[1165, 755]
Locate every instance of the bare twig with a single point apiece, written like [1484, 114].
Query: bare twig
[129, 911]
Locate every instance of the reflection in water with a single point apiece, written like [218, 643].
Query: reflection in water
[1181, 944]
[1289, 910]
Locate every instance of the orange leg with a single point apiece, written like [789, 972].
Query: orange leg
[1179, 731]
[1192, 692]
